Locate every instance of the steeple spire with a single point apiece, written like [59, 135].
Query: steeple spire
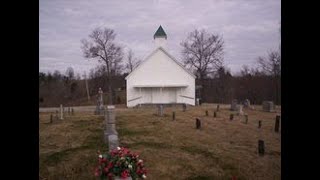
[160, 33]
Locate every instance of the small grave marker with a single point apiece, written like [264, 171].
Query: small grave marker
[261, 147]
[259, 126]
[218, 107]
[198, 123]
[231, 117]
[61, 112]
[276, 128]
[214, 114]
[246, 119]
[207, 113]
[173, 115]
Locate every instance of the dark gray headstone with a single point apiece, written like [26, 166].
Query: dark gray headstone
[246, 119]
[261, 147]
[198, 123]
[277, 125]
[259, 125]
[184, 107]
[51, 118]
[214, 114]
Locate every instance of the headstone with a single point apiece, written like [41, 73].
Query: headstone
[231, 117]
[239, 108]
[51, 118]
[198, 123]
[268, 106]
[246, 103]
[234, 104]
[100, 110]
[259, 126]
[246, 119]
[277, 125]
[160, 110]
[110, 122]
[113, 142]
[173, 116]
[207, 114]
[214, 114]
[197, 101]
[218, 107]
[184, 107]
[61, 112]
[261, 147]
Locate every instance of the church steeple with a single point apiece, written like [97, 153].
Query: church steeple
[160, 38]
[160, 33]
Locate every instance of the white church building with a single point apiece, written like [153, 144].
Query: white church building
[160, 78]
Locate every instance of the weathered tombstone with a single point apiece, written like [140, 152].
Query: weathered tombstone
[246, 119]
[239, 107]
[207, 113]
[259, 126]
[276, 128]
[61, 112]
[218, 107]
[160, 110]
[234, 104]
[110, 120]
[100, 107]
[184, 107]
[51, 118]
[261, 147]
[268, 106]
[246, 103]
[231, 117]
[198, 123]
[214, 114]
[173, 115]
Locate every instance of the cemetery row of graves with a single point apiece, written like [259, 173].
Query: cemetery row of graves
[203, 142]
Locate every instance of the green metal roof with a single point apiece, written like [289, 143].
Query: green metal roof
[160, 33]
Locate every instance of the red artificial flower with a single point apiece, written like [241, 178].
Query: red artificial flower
[125, 174]
[234, 178]
[106, 169]
[110, 165]
[97, 172]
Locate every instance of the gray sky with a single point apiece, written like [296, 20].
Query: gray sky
[250, 28]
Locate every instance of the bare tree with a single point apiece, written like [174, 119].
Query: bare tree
[132, 62]
[271, 65]
[101, 46]
[203, 52]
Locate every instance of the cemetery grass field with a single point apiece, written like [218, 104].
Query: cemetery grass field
[170, 149]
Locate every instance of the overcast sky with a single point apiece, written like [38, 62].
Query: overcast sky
[250, 28]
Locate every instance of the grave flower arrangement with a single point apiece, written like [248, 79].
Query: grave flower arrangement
[120, 163]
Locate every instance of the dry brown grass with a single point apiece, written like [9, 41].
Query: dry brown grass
[221, 149]
[68, 147]
[170, 149]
